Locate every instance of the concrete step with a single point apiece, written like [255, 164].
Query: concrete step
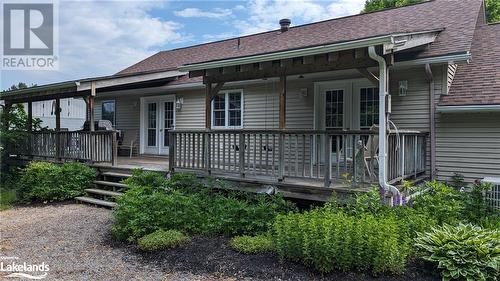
[103, 192]
[96, 201]
[116, 175]
[115, 185]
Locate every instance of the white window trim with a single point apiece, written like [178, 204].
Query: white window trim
[114, 113]
[226, 110]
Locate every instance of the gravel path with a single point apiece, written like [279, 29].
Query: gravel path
[74, 240]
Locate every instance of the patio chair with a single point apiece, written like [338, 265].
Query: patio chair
[129, 141]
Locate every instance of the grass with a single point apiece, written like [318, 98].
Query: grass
[7, 197]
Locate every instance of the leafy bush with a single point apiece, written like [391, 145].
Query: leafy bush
[161, 239]
[329, 240]
[258, 244]
[144, 209]
[43, 181]
[153, 179]
[462, 252]
[442, 202]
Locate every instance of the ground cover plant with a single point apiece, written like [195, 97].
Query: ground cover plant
[162, 239]
[464, 251]
[183, 203]
[258, 244]
[49, 182]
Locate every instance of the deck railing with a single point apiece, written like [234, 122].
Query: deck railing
[98, 146]
[346, 156]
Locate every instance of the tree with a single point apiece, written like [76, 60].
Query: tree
[493, 11]
[376, 5]
[13, 125]
[492, 7]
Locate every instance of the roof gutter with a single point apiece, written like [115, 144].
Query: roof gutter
[465, 56]
[468, 108]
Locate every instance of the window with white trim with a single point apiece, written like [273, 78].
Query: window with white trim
[227, 109]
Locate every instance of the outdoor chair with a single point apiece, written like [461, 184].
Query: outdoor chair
[129, 141]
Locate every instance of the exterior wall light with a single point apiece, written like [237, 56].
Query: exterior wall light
[178, 104]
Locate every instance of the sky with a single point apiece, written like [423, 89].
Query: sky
[98, 38]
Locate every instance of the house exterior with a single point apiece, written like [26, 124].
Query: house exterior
[309, 102]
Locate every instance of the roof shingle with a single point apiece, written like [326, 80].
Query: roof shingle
[478, 83]
[457, 17]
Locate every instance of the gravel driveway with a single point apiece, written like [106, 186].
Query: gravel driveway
[73, 240]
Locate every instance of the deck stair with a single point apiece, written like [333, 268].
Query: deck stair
[106, 189]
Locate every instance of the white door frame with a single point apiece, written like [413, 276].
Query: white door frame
[159, 149]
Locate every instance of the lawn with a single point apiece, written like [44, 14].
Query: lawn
[7, 197]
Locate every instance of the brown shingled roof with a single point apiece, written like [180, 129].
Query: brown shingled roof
[457, 17]
[478, 83]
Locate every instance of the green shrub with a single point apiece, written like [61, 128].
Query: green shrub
[153, 179]
[144, 209]
[329, 240]
[43, 181]
[442, 202]
[258, 244]
[462, 252]
[161, 239]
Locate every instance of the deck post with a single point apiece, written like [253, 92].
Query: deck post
[328, 164]
[208, 105]
[114, 159]
[29, 128]
[206, 147]
[282, 103]
[58, 129]
[242, 153]
[171, 151]
[281, 156]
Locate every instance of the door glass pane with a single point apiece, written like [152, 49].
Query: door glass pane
[169, 121]
[334, 109]
[368, 113]
[151, 124]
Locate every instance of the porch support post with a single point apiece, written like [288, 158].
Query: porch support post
[282, 103]
[58, 129]
[29, 126]
[90, 112]
[208, 105]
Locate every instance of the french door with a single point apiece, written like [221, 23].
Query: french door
[345, 105]
[158, 118]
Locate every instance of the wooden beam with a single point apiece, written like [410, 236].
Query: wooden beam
[91, 106]
[282, 103]
[58, 129]
[276, 70]
[208, 105]
[368, 75]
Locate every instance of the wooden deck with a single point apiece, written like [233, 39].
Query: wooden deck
[152, 163]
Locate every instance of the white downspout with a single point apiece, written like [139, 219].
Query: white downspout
[382, 150]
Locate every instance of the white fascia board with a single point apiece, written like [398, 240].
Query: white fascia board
[468, 108]
[116, 81]
[466, 56]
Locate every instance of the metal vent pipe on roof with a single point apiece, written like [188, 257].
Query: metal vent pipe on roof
[285, 24]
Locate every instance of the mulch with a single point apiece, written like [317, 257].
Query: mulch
[213, 256]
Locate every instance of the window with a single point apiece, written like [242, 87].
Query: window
[108, 111]
[368, 113]
[335, 109]
[227, 108]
